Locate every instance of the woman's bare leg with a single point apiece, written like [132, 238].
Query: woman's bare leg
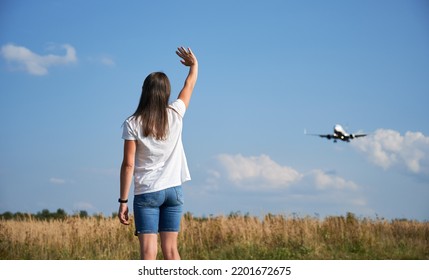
[148, 246]
[169, 245]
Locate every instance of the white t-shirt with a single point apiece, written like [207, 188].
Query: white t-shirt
[159, 164]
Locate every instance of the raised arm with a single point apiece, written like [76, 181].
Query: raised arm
[189, 60]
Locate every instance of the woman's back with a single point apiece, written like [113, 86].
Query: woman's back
[159, 163]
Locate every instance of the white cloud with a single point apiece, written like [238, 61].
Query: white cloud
[258, 184]
[388, 148]
[255, 172]
[36, 64]
[57, 181]
[324, 181]
[260, 173]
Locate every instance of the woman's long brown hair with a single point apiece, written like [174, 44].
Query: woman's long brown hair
[152, 108]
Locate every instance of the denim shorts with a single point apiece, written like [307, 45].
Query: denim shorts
[158, 211]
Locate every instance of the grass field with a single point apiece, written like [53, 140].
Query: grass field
[223, 237]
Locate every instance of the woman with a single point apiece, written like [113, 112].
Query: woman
[154, 155]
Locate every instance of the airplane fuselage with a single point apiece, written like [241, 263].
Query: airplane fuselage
[340, 133]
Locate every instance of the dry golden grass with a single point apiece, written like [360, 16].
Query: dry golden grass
[71, 238]
[232, 237]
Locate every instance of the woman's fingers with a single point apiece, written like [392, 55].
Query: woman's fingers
[182, 52]
[187, 56]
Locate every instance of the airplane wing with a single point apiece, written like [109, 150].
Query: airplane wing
[328, 136]
[359, 135]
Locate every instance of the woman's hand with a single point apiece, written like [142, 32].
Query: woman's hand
[123, 214]
[188, 57]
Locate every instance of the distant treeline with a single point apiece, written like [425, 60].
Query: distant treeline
[47, 215]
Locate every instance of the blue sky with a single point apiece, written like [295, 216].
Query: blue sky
[71, 72]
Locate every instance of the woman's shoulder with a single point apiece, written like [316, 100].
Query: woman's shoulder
[179, 107]
[131, 120]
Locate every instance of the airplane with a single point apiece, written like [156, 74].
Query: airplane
[339, 134]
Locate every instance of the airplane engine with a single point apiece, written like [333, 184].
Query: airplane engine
[352, 136]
